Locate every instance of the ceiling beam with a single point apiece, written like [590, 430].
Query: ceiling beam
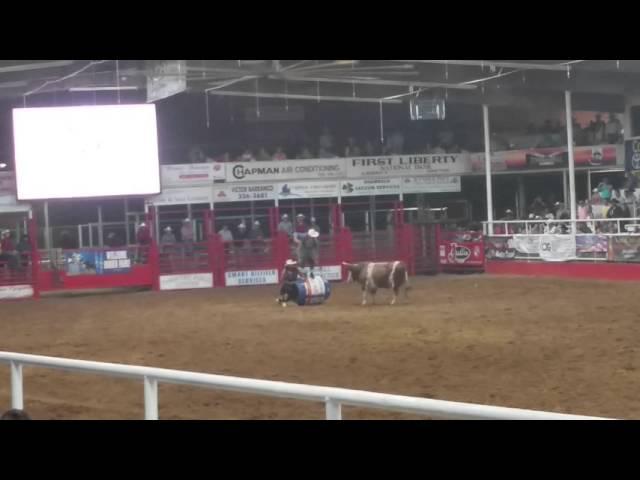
[399, 83]
[480, 63]
[36, 66]
[292, 96]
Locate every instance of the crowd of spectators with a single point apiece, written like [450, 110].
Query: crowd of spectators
[606, 202]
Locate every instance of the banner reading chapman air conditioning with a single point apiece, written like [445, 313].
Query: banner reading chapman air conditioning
[281, 170]
[408, 165]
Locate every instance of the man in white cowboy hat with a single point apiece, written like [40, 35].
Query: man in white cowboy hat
[308, 250]
[168, 236]
[290, 275]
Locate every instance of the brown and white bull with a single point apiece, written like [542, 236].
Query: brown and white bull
[374, 275]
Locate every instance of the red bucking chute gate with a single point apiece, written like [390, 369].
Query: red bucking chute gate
[208, 261]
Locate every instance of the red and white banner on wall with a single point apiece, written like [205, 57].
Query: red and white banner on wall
[192, 174]
[549, 158]
[467, 253]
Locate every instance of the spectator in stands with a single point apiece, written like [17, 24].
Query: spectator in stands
[305, 153]
[613, 129]
[223, 158]
[187, 236]
[247, 156]
[324, 153]
[370, 149]
[241, 235]
[395, 143]
[256, 237]
[167, 236]
[8, 252]
[279, 154]
[15, 414]
[326, 140]
[631, 182]
[502, 229]
[598, 128]
[24, 249]
[301, 225]
[285, 225]
[617, 211]
[112, 240]
[66, 242]
[538, 207]
[352, 149]
[196, 155]
[604, 189]
[263, 155]
[143, 237]
[227, 237]
[438, 150]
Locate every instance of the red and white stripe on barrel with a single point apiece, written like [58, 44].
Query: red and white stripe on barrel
[374, 275]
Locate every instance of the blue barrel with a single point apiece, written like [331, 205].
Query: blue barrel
[313, 291]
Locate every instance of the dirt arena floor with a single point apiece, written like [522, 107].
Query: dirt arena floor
[558, 345]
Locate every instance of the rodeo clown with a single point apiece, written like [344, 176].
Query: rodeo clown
[300, 288]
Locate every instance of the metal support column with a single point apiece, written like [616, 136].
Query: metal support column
[572, 173]
[487, 166]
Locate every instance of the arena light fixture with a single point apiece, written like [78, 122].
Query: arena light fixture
[3, 165]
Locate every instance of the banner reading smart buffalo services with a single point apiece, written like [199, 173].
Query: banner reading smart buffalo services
[408, 165]
[282, 170]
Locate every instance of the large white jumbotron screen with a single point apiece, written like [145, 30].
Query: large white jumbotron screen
[89, 151]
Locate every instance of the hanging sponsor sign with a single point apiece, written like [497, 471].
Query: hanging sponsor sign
[632, 154]
[308, 189]
[251, 277]
[191, 174]
[11, 292]
[166, 78]
[557, 248]
[431, 184]
[541, 158]
[114, 261]
[499, 248]
[453, 253]
[186, 281]
[281, 170]
[181, 196]
[246, 192]
[592, 246]
[527, 244]
[374, 186]
[97, 262]
[401, 165]
[624, 249]
[329, 272]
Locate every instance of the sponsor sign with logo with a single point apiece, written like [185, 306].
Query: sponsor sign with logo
[186, 281]
[557, 248]
[246, 192]
[251, 277]
[329, 272]
[282, 170]
[632, 154]
[308, 190]
[11, 292]
[191, 174]
[180, 196]
[453, 253]
[624, 249]
[431, 184]
[374, 186]
[407, 165]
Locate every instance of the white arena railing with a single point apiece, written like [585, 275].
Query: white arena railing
[599, 226]
[333, 398]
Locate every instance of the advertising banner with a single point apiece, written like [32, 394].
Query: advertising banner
[186, 281]
[180, 196]
[191, 174]
[329, 272]
[408, 165]
[632, 154]
[308, 190]
[592, 246]
[624, 249]
[431, 184]
[557, 248]
[251, 277]
[245, 192]
[377, 186]
[97, 262]
[499, 248]
[545, 158]
[453, 253]
[12, 292]
[527, 244]
[282, 170]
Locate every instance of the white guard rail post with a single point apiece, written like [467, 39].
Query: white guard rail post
[333, 398]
